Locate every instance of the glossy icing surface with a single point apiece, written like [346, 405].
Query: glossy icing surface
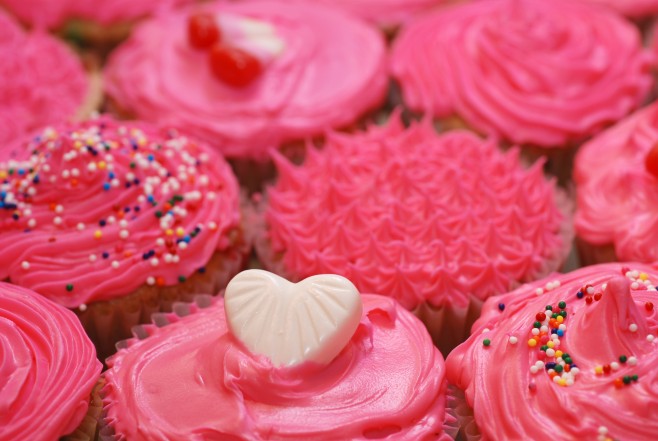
[617, 198]
[605, 387]
[544, 73]
[414, 215]
[386, 13]
[631, 8]
[43, 82]
[48, 367]
[314, 78]
[388, 380]
[100, 208]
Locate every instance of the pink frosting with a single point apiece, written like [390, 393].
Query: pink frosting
[389, 380]
[386, 13]
[415, 215]
[545, 73]
[100, 208]
[330, 72]
[617, 197]
[512, 402]
[631, 8]
[54, 13]
[43, 82]
[48, 367]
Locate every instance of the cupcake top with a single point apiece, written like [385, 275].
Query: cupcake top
[616, 175]
[51, 14]
[43, 82]
[531, 72]
[274, 72]
[48, 368]
[386, 379]
[414, 215]
[99, 208]
[386, 13]
[573, 354]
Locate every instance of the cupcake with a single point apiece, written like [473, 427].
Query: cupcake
[543, 75]
[48, 372]
[616, 175]
[323, 363]
[437, 222]
[43, 82]
[256, 74]
[117, 221]
[571, 356]
[92, 23]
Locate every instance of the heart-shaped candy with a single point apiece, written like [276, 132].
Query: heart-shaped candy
[291, 323]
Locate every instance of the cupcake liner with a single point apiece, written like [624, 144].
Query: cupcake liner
[468, 429]
[94, 37]
[591, 254]
[88, 429]
[107, 322]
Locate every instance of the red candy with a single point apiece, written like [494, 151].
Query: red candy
[649, 306]
[651, 161]
[234, 66]
[540, 317]
[202, 30]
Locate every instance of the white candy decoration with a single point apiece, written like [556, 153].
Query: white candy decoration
[291, 323]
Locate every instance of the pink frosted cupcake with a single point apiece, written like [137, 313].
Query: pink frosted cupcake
[94, 22]
[438, 222]
[571, 356]
[324, 363]
[541, 74]
[43, 82]
[48, 371]
[256, 75]
[117, 221]
[616, 176]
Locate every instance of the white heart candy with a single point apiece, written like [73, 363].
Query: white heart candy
[290, 323]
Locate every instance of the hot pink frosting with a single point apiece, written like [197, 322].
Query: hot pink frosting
[512, 402]
[389, 380]
[545, 73]
[43, 82]
[54, 13]
[385, 13]
[617, 197]
[415, 215]
[100, 208]
[48, 367]
[331, 70]
[631, 8]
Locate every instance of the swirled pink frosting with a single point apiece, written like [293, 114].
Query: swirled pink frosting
[48, 367]
[617, 198]
[415, 215]
[330, 70]
[54, 13]
[389, 380]
[100, 208]
[43, 82]
[545, 73]
[631, 8]
[387, 13]
[513, 400]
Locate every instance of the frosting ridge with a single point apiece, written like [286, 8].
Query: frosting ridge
[540, 73]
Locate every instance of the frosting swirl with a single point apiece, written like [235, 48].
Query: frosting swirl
[43, 82]
[404, 212]
[531, 72]
[389, 380]
[48, 367]
[386, 13]
[51, 14]
[631, 8]
[602, 352]
[100, 208]
[617, 202]
[315, 78]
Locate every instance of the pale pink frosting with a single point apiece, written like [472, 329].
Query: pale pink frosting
[48, 367]
[98, 187]
[386, 13]
[43, 82]
[512, 402]
[330, 72]
[415, 215]
[388, 380]
[631, 8]
[545, 73]
[617, 196]
[54, 13]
